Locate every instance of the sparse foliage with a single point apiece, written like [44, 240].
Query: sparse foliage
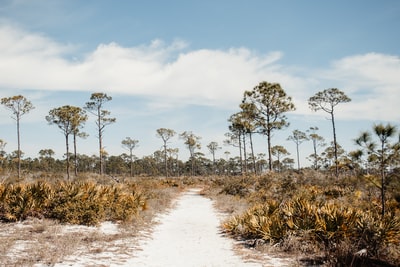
[95, 106]
[165, 134]
[213, 147]
[317, 141]
[298, 137]
[69, 119]
[279, 152]
[130, 144]
[19, 106]
[270, 103]
[192, 142]
[327, 100]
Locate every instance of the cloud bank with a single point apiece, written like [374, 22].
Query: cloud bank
[172, 73]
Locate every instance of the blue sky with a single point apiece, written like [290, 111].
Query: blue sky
[184, 65]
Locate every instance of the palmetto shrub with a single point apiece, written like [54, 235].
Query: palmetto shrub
[84, 202]
[124, 201]
[325, 222]
[18, 201]
[330, 224]
[260, 221]
[89, 203]
[375, 232]
[335, 222]
[78, 203]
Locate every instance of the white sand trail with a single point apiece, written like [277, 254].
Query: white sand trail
[188, 236]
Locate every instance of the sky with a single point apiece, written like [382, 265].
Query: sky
[184, 65]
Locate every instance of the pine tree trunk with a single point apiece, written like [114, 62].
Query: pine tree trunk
[19, 149]
[335, 146]
[67, 148]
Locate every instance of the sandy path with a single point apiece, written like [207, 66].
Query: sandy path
[188, 236]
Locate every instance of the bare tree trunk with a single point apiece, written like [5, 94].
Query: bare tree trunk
[244, 153]
[131, 161]
[240, 153]
[298, 157]
[165, 159]
[75, 157]
[213, 155]
[269, 149]
[100, 143]
[19, 150]
[67, 148]
[383, 179]
[252, 153]
[335, 146]
[315, 154]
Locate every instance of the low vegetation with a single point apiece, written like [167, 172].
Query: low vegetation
[323, 220]
[82, 202]
[338, 223]
[46, 219]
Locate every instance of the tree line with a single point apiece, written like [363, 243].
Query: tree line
[262, 111]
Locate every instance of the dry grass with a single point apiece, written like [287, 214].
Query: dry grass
[47, 242]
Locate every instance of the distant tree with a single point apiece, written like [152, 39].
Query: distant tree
[192, 142]
[279, 152]
[165, 135]
[327, 100]
[237, 137]
[317, 141]
[288, 163]
[249, 121]
[46, 157]
[270, 103]
[115, 166]
[213, 147]
[19, 106]
[79, 120]
[2, 145]
[95, 107]
[2, 152]
[261, 163]
[66, 118]
[173, 154]
[130, 144]
[328, 156]
[384, 151]
[298, 137]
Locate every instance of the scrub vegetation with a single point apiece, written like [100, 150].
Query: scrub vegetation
[342, 210]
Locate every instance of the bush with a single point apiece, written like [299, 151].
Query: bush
[324, 217]
[85, 202]
[18, 201]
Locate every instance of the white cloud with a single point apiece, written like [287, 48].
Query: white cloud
[372, 81]
[171, 74]
[205, 77]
